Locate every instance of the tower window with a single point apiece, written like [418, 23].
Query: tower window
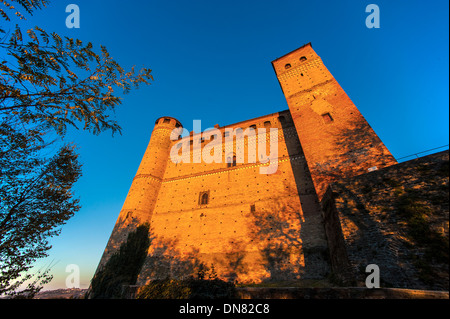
[303, 58]
[204, 198]
[287, 66]
[231, 161]
[166, 121]
[327, 118]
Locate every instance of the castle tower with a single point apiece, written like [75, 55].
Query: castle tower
[140, 201]
[336, 139]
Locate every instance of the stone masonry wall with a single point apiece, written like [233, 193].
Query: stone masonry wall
[396, 218]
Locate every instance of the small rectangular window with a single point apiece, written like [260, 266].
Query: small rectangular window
[327, 118]
[166, 121]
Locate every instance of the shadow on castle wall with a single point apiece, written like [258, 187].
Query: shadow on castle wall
[396, 218]
[357, 149]
[272, 252]
[285, 242]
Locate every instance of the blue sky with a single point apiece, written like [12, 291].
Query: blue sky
[211, 61]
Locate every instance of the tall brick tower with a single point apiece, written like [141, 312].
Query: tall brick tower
[140, 201]
[336, 139]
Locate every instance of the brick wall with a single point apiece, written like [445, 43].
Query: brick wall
[255, 227]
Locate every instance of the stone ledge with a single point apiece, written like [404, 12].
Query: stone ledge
[337, 293]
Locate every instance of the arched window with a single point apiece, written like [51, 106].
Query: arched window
[287, 66]
[303, 58]
[231, 161]
[204, 198]
[253, 126]
[267, 124]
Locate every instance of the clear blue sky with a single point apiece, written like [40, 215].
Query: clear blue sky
[211, 61]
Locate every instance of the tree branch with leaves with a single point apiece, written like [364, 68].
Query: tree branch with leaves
[48, 83]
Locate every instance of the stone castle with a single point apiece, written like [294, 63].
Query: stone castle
[254, 227]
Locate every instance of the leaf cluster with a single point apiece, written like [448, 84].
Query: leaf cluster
[62, 82]
[48, 83]
[35, 199]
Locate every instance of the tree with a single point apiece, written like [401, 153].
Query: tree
[122, 269]
[47, 84]
[36, 198]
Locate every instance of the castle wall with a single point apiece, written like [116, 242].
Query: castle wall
[336, 139]
[140, 201]
[396, 218]
[249, 225]
[254, 227]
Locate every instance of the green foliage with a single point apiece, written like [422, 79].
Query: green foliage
[36, 198]
[28, 5]
[415, 213]
[48, 83]
[123, 267]
[191, 288]
[60, 82]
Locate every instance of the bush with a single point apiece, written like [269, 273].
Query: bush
[190, 288]
[123, 267]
